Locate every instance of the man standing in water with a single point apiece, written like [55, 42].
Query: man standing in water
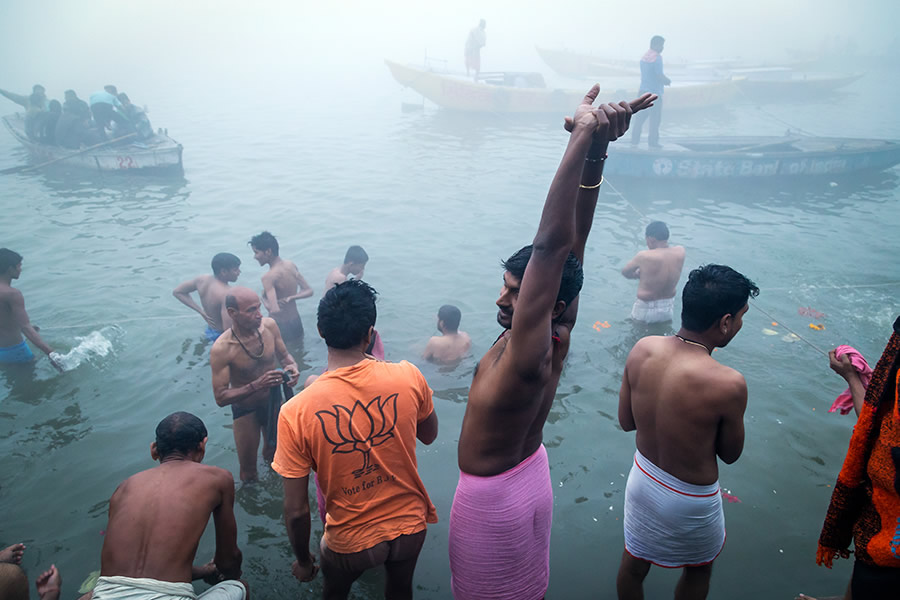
[687, 409]
[653, 80]
[283, 285]
[474, 43]
[14, 321]
[353, 268]
[452, 344]
[212, 289]
[658, 270]
[245, 377]
[156, 519]
[502, 510]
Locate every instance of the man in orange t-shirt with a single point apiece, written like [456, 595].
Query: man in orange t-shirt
[356, 427]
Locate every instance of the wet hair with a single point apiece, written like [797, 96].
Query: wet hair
[345, 314]
[711, 292]
[8, 258]
[13, 582]
[657, 230]
[179, 432]
[111, 89]
[356, 254]
[656, 41]
[572, 276]
[451, 316]
[55, 106]
[224, 261]
[265, 241]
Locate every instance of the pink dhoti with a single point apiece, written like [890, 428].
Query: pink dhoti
[500, 533]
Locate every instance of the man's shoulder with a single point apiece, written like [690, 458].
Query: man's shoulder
[8, 292]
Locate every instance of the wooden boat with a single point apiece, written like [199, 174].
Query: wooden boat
[574, 64]
[512, 92]
[779, 83]
[752, 157]
[159, 153]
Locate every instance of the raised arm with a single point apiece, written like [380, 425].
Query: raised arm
[183, 294]
[17, 98]
[228, 556]
[730, 436]
[843, 367]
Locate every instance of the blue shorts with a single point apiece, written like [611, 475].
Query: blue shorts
[211, 334]
[20, 353]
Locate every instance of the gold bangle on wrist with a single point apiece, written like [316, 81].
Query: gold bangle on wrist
[591, 187]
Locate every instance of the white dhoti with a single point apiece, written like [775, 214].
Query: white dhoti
[671, 523]
[132, 588]
[654, 311]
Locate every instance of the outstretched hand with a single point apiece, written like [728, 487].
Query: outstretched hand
[842, 366]
[607, 122]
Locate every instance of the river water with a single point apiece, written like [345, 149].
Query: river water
[437, 199]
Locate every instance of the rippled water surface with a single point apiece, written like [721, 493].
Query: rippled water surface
[437, 199]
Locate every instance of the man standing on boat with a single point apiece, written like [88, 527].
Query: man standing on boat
[283, 285]
[476, 40]
[653, 80]
[688, 411]
[658, 270]
[503, 506]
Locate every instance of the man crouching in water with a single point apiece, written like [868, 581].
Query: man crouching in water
[503, 506]
[245, 377]
[156, 519]
[688, 409]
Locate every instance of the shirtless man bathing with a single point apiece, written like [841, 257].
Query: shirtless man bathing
[212, 290]
[658, 268]
[156, 519]
[503, 506]
[245, 376]
[14, 321]
[688, 409]
[283, 285]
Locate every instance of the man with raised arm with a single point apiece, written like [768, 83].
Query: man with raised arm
[245, 376]
[14, 321]
[657, 270]
[212, 290]
[156, 519]
[283, 285]
[502, 510]
[357, 427]
[687, 409]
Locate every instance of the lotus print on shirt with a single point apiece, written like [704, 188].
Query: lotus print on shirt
[360, 429]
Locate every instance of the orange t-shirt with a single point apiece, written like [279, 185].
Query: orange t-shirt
[356, 428]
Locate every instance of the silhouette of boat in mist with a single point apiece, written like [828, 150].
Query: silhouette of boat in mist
[527, 92]
[752, 157]
[158, 154]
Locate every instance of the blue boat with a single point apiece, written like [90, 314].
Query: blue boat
[752, 157]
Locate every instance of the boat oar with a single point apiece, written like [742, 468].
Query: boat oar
[26, 168]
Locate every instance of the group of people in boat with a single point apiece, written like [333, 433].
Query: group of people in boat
[355, 426]
[107, 115]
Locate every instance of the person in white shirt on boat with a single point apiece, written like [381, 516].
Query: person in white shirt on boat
[476, 40]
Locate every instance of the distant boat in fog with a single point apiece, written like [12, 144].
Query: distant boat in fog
[159, 153]
[526, 92]
[751, 157]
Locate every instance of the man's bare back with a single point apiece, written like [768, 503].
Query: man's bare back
[10, 327]
[448, 348]
[156, 519]
[659, 270]
[283, 285]
[212, 294]
[687, 408]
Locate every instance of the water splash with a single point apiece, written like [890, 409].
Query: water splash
[96, 344]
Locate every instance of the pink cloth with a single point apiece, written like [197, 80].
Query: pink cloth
[650, 56]
[844, 402]
[378, 347]
[500, 533]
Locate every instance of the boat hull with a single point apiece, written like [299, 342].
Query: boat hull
[457, 93]
[157, 154]
[703, 158]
